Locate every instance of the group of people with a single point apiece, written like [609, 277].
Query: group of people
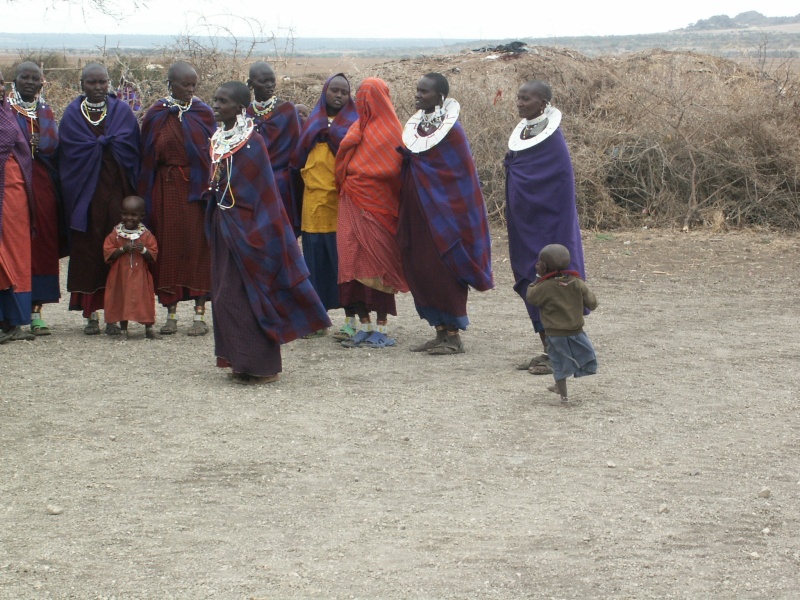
[226, 190]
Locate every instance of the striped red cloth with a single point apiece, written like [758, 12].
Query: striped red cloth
[367, 164]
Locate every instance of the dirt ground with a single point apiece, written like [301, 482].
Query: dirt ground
[386, 474]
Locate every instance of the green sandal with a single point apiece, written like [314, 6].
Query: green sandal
[39, 327]
[345, 333]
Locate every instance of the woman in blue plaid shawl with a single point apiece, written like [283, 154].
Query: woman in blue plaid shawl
[260, 289]
[443, 228]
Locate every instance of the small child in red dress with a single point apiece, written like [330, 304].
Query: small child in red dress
[130, 249]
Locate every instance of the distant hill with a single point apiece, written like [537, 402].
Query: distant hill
[743, 20]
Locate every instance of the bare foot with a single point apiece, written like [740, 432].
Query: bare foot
[554, 388]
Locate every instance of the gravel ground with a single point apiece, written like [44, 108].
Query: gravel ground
[386, 474]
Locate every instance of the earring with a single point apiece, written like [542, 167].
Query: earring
[241, 118]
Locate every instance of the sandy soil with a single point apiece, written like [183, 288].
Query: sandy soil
[386, 474]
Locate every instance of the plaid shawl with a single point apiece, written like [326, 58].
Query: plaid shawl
[367, 165]
[12, 142]
[48, 133]
[316, 129]
[450, 194]
[541, 208]
[198, 126]
[257, 232]
[281, 131]
[81, 154]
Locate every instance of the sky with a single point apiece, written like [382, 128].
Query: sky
[462, 19]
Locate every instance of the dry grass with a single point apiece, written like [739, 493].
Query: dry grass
[657, 138]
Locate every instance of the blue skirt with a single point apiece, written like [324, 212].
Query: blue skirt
[571, 355]
[322, 258]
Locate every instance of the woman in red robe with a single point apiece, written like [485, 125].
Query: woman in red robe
[38, 125]
[15, 227]
[175, 165]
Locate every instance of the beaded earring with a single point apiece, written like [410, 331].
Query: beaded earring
[241, 117]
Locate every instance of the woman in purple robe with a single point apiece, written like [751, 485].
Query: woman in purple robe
[540, 198]
[98, 165]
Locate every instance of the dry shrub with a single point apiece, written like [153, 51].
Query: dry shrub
[657, 138]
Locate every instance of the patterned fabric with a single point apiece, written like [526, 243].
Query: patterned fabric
[13, 143]
[81, 152]
[281, 131]
[198, 126]
[48, 132]
[367, 165]
[447, 184]
[316, 129]
[541, 210]
[368, 252]
[183, 270]
[257, 231]
[439, 296]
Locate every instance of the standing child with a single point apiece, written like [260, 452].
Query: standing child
[562, 296]
[130, 249]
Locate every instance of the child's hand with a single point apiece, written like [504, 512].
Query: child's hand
[138, 247]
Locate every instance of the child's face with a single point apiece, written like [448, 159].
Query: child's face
[132, 215]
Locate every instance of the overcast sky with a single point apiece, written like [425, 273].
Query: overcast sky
[469, 19]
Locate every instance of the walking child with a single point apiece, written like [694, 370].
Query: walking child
[131, 249]
[562, 296]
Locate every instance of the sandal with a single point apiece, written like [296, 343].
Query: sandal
[378, 340]
[316, 334]
[536, 360]
[451, 345]
[16, 334]
[541, 369]
[170, 327]
[113, 329]
[198, 328]
[245, 379]
[440, 336]
[357, 339]
[92, 327]
[346, 332]
[39, 327]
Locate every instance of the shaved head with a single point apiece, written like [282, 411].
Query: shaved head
[238, 91]
[180, 69]
[539, 88]
[94, 68]
[555, 256]
[260, 67]
[28, 66]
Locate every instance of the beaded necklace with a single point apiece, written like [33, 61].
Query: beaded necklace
[99, 106]
[130, 234]
[433, 120]
[264, 108]
[224, 144]
[27, 108]
[181, 106]
[534, 127]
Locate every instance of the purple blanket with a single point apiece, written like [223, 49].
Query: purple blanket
[540, 207]
[81, 154]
